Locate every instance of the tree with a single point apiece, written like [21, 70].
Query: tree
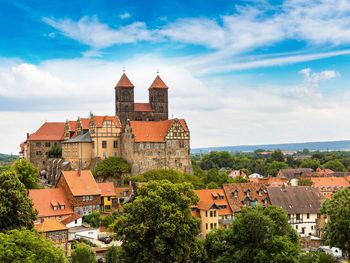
[213, 175]
[274, 167]
[255, 235]
[157, 226]
[337, 230]
[335, 165]
[93, 219]
[240, 179]
[310, 163]
[316, 257]
[28, 246]
[114, 167]
[277, 155]
[26, 172]
[16, 209]
[217, 160]
[305, 182]
[114, 255]
[83, 254]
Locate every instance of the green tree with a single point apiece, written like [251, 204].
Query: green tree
[83, 254]
[26, 172]
[94, 219]
[240, 179]
[114, 167]
[337, 230]
[277, 155]
[114, 255]
[274, 167]
[16, 209]
[310, 163]
[255, 235]
[316, 257]
[213, 175]
[217, 160]
[28, 246]
[157, 226]
[335, 165]
[212, 185]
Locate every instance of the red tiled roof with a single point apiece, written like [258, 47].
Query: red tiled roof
[99, 120]
[72, 125]
[85, 122]
[43, 198]
[322, 183]
[50, 225]
[158, 83]
[49, 131]
[143, 107]
[324, 172]
[206, 200]
[81, 183]
[71, 219]
[107, 189]
[153, 131]
[124, 82]
[270, 180]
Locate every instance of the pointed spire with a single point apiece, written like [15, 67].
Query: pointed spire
[158, 83]
[124, 82]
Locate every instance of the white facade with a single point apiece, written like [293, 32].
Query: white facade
[304, 224]
[81, 231]
[77, 222]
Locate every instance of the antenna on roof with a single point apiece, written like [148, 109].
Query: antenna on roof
[157, 71]
[123, 69]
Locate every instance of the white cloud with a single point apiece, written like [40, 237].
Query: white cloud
[124, 15]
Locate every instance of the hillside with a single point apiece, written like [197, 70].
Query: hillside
[5, 158]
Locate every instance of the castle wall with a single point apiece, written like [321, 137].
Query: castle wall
[38, 152]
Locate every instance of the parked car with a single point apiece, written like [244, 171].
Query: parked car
[105, 239]
[334, 251]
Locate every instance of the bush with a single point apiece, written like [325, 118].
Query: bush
[93, 219]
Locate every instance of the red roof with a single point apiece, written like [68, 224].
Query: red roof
[50, 225]
[153, 131]
[107, 189]
[81, 183]
[143, 107]
[208, 197]
[85, 122]
[99, 120]
[329, 183]
[71, 219]
[72, 125]
[158, 83]
[49, 131]
[44, 198]
[124, 82]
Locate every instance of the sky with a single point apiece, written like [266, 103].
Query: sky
[239, 72]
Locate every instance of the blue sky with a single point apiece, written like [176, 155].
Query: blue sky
[240, 72]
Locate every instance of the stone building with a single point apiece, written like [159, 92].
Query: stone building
[127, 109]
[150, 145]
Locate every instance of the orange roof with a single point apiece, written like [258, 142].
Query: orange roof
[70, 219]
[143, 107]
[270, 180]
[124, 82]
[158, 83]
[85, 122]
[119, 191]
[49, 131]
[324, 172]
[44, 198]
[99, 120]
[209, 197]
[153, 131]
[329, 183]
[82, 183]
[50, 225]
[107, 189]
[72, 125]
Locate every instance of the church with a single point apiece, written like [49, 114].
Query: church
[140, 133]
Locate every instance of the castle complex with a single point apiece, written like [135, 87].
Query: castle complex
[141, 133]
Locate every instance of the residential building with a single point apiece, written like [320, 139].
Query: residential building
[270, 181]
[302, 204]
[73, 221]
[293, 174]
[157, 145]
[324, 172]
[81, 190]
[240, 195]
[236, 173]
[213, 210]
[329, 185]
[108, 197]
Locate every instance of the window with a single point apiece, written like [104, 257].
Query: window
[206, 226]
[76, 221]
[211, 213]
[307, 215]
[62, 207]
[115, 144]
[109, 198]
[214, 213]
[211, 225]
[38, 144]
[181, 144]
[235, 194]
[104, 144]
[206, 213]
[47, 144]
[297, 216]
[38, 152]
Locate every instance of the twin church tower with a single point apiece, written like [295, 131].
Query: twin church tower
[127, 109]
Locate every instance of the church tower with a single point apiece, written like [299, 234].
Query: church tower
[124, 99]
[158, 98]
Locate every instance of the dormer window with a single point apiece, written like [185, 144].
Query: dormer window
[235, 193]
[62, 207]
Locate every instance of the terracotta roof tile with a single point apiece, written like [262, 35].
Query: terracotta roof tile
[236, 194]
[107, 189]
[158, 83]
[43, 198]
[324, 172]
[291, 173]
[124, 82]
[72, 125]
[99, 120]
[207, 199]
[50, 225]
[270, 180]
[119, 191]
[143, 107]
[70, 219]
[85, 122]
[49, 131]
[329, 181]
[82, 183]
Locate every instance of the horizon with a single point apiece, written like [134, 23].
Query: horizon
[240, 73]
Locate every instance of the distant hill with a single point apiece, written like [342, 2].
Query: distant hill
[6, 158]
[312, 146]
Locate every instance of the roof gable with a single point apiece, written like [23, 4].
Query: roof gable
[81, 182]
[49, 131]
[124, 82]
[158, 83]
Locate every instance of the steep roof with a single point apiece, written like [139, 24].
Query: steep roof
[153, 131]
[107, 189]
[257, 192]
[72, 125]
[81, 138]
[99, 120]
[291, 173]
[296, 199]
[209, 197]
[143, 107]
[323, 183]
[124, 82]
[49, 131]
[270, 180]
[44, 199]
[81, 183]
[70, 219]
[50, 225]
[158, 83]
[85, 122]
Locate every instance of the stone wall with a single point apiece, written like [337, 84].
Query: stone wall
[38, 152]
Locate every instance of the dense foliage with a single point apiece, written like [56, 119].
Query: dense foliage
[112, 167]
[93, 219]
[16, 209]
[27, 173]
[28, 246]
[7, 158]
[255, 235]
[83, 254]
[337, 230]
[316, 257]
[158, 224]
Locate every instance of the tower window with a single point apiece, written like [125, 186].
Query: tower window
[115, 144]
[104, 144]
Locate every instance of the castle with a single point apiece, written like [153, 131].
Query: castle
[141, 133]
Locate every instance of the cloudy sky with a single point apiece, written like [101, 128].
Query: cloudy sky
[239, 72]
